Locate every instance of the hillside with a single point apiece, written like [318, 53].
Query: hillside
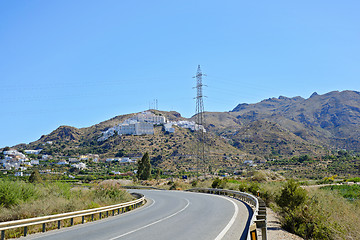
[332, 119]
[167, 150]
[274, 127]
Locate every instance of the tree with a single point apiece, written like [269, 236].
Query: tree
[158, 174]
[144, 168]
[121, 153]
[35, 177]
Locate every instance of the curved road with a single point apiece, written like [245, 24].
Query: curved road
[167, 215]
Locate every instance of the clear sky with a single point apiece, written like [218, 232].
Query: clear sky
[81, 62]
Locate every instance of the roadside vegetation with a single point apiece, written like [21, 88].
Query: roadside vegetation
[19, 200]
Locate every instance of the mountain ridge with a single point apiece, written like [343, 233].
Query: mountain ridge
[273, 127]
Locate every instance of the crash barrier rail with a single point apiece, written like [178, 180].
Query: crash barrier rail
[142, 187]
[114, 209]
[258, 219]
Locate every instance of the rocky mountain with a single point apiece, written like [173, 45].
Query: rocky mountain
[271, 128]
[332, 119]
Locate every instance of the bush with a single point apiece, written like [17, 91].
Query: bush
[111, 190]
[13, 193]
[254, 188]
[291, 197]
[306, 222]
[300, 214]
[219, 183]
[35, 177]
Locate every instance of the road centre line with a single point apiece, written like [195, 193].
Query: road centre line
[231, 222]
[160, 220]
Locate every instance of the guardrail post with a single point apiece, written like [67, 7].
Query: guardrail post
[107, 213]
[44, 227]
[264, 233]
[2, 234]
[25, 231]
[118, 210]
[59, 224]
[100, 215]
[92, 217]
[113, 213]
[71, 221]
[82, 219]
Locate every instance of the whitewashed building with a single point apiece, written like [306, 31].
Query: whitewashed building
[62, 163]
[33, 151]
[73, 160]
[141, 124]
[34, 162]
[169, 128]
[79, 165]
[150, 118]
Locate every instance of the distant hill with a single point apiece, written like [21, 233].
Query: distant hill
[274, 127]
[332, 119]
[167, 150]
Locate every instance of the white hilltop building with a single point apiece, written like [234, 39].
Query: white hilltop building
[143, 124]
[150, 117]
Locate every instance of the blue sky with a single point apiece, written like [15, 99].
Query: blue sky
[81, 62]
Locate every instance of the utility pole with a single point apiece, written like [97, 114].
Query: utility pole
[199, 123]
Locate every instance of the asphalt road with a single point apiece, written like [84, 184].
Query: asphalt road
[167, 215]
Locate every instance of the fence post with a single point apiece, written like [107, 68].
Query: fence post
[82, 219]
[2, 234]
[25, 231]
[59, 224]
[71, 221]
[44, 227]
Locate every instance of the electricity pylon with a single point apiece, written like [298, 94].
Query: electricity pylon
[200, 123]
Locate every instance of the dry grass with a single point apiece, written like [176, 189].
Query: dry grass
[57, 198]
[343, 216]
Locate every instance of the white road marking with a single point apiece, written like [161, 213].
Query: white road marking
[86, 224]
[160, 220]
[232, 220]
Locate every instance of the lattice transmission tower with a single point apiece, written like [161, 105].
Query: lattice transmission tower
[200, 124]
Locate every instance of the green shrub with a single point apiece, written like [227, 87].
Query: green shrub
[300, 214]
[254, 188]
[13, 193]
[291, 196]
[243, 187]
[194, 183]
[306, 222]
[219, 183]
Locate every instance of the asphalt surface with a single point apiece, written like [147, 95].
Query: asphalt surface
[167, 215]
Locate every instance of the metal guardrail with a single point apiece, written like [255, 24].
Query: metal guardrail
[25, 223]
[258, 219]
